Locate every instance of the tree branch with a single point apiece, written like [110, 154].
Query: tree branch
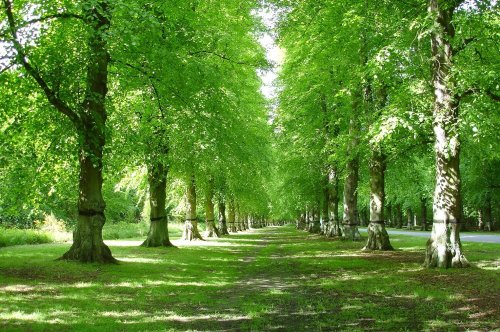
[223, 57]
[464, 44]
[492, 95]
[33, 72]
[50, 17]
[4, 69]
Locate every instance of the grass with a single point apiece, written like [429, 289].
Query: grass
[122, 230]
[271, 279]
[12, 237]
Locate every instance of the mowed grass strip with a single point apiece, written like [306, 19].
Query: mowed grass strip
[274, 278]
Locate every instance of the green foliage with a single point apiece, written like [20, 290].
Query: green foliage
[14, 237]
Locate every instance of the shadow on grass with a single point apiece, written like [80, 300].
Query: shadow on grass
[270, 279]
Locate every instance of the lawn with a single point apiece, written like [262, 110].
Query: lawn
[276, 278]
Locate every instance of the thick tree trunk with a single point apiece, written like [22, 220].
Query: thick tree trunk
[191, 232]
[222, 218]
[378, 238]
[238, 220]
[333, 198]
[444, 248]
[389, 218]
[488, 213]
[399, 216]
[423, 214]
[325, 218]
[350, 221]
[232, 217]
[308, 220]
[480, 220]
[211, 230]
[315, 225]
[88, 245]
[350, 224]
[158, 229]
[409, 219]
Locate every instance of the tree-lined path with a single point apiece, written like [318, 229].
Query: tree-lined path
[152, 149]
[276, 278]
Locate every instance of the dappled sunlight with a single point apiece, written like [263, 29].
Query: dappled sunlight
[140, 260]
[281, 280]
[123, 243]
[489, 265]
[212, 243]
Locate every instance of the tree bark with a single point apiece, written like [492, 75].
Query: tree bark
[378, 238]
[211, 230]
[88, 245]
[423, 214]
[444, 248]
[325, 218]
[488, 213]
[315, 225]
[308, 219]
[158, 229]
[389, 221]
[191, 232]
[399, 216]
[350, 224]
[333, 198]
[222, 218]
[232, 217]
[238, 219]
[409, 219]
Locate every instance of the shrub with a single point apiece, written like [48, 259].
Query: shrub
[55, 227]
[12, 237]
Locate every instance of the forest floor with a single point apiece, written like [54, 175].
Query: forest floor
[275, 278]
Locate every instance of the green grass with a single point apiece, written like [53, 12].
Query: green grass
[270, 279]
[12, 237]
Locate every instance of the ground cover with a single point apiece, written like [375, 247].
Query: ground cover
[276, 278]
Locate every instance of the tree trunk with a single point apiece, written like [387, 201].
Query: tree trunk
[222, 218]
[88, 245]
[158, 229]
[232, 217]
[488, 213]
[409, 219]
[399, 216]
[211, 230]
[423, 214]
[191, 232]
[350, 221]
[315, 225]
[334, 228]
[325, 218]
[389, 215]
[238, 221]
[350, 224]
[308, 219]
[444, 248]
[378, 238]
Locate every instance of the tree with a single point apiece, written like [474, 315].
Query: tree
[88, 117]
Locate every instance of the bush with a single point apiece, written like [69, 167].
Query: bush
[13, 237]
[55, 227]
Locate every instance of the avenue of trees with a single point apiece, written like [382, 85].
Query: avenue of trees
[387, 115]
[389, 109]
